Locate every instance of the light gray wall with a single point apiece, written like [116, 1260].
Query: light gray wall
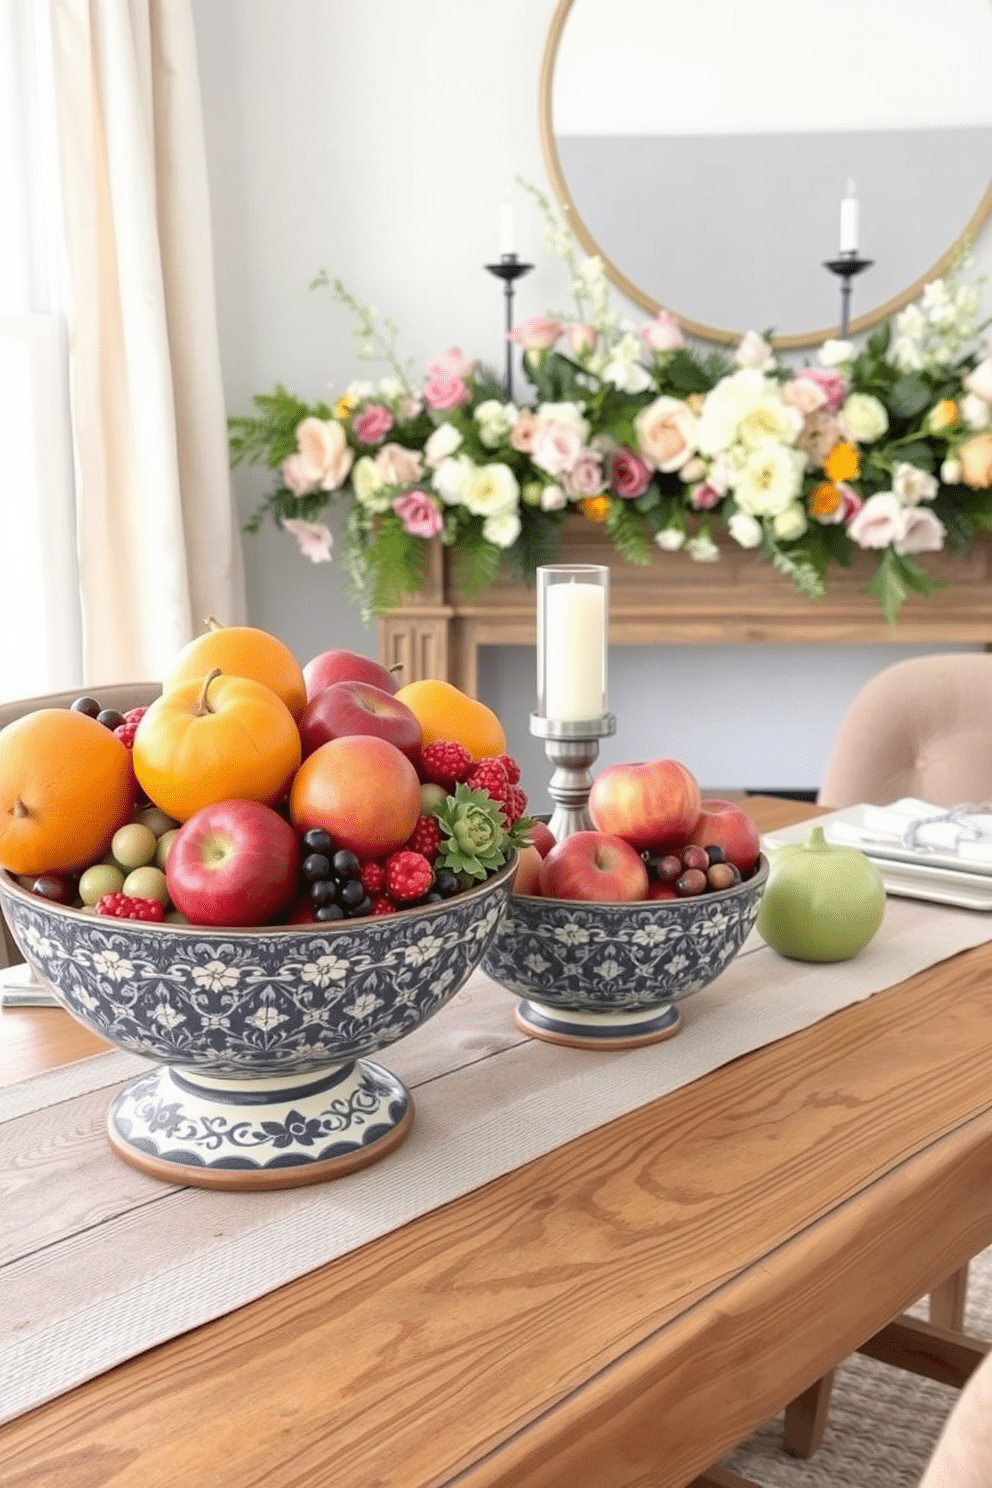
[378, 141]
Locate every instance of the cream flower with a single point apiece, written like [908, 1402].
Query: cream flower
[791, 523]
[490, 489]
[979, 379]
[770, 418]
[666, 433]
[397, 465]
[324, 452]
[863, 418]
[880, 522]
[702, 548]
[624, 368]
[725, 406]
[368, 485]
[442, 443]
[502, 529]
[670, 539]
[976, 413]
[495, 420]
[769, 481]
[755, 351]
[745, 529]
[557, 445]
[923, 532]
[553, 498]
[836, 353]
[450, 478]
[913, 485]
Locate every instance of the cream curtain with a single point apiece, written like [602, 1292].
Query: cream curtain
[157, 533]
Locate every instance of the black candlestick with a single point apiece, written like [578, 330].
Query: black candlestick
[509, 269]
[846, 266]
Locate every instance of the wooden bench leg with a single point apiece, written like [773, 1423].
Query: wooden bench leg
[806, 1418]
[947, 1301]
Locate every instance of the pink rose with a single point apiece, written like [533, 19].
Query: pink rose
[804, 394]
[582, 337]
[398, 466]
[522, 433]
[314, 539]
[979, 380]
[586, 476]
[754, 351]
[452, 363]
[924, 532]
[818, 435]
[556, 446]
[663, 333]
[444, 390]
[325, 457]
[880, 522]
[629, 475]
[297, 475]
[666, 433]
[537, 334]
[418, 514]
[372, 424]
[835, 386]
[704, 498]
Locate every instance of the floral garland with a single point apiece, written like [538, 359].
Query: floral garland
[886, 449]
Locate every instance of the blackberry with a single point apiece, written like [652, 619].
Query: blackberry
[316, 866]
[86, 705]
[361, 909]
[346, 864]
[110, 718]
[324, 891]
[351, 893]
[446, 882]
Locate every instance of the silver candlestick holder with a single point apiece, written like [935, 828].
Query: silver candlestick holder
[572, 746]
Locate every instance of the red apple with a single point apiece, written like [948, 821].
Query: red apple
[653, 805]
[359, 708]
[542, 837]
[233, 863]
[658, 890]
[345, 666]
[724, 824]
[362, 790]
[527, 877]
[596, 866]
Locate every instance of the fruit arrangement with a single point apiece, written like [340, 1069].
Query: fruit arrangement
[254, 791]
[653, 837]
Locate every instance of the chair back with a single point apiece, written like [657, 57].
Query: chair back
[921, 727]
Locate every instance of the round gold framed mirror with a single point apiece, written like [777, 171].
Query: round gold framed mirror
[702, 149]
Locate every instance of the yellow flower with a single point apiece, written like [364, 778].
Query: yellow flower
[842, 463]
[596, 508]
[824, 500]
[344, 405]
[942, 415]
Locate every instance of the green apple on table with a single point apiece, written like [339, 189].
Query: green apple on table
[821, 902]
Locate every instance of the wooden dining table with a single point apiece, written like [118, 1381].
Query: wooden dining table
[619, 1312]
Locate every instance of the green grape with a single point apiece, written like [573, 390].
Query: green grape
[100, 879]
[134, 845]
[147, 883]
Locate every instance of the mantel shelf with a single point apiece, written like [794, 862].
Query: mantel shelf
[675, 601]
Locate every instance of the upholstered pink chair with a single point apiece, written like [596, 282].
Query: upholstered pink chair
[962, 1457]
[122, 696]
[921, 727]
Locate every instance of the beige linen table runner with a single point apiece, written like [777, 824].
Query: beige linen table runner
[99, 1262]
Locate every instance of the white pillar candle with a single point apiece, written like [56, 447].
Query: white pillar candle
[849, 220]
[506, 228]
[574, 651]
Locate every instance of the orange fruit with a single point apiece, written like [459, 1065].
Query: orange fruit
[445, 712]
[242, 651]
[66, 785]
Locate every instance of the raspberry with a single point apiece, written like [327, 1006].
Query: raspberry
[446, 763]
[372, 878]
[425, 837]
[511, 767]
[515, 804]
[126, 907]
[489, 775]
[126, 731]
[383, 905]
[408, 876]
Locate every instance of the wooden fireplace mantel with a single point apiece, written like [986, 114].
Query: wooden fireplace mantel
[676, 601]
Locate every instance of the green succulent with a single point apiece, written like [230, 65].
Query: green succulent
[475, 839]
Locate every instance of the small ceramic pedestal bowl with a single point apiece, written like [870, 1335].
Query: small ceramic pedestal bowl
[610, 976]
[259, 1036]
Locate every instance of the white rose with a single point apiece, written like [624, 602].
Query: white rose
[976, 413]
[670, 539]
[450, 478]
[769, 480]
[564, 413]
[495, 421]
[368, 485]
[770, 418]
[754, 351]
[702, 548]
[950, 472]
[442, 443]
[491, 489]
[863, 418]
[553, 498]
[624, 369]
[880, 522]
[835, 353]
[724, 407]
[502, 529]
[912, 485]
[791, 523]
[745, 529]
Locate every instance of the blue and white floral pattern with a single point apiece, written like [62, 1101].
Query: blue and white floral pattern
[609, 958]
[262, 1001]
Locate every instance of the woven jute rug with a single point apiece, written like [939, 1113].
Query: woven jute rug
[883, 1423]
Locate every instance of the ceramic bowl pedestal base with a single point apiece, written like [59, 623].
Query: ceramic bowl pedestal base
[279, 1131]
[598, 1030]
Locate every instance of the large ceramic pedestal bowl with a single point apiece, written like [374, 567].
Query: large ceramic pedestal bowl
[610, 976]
[259, 1036]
